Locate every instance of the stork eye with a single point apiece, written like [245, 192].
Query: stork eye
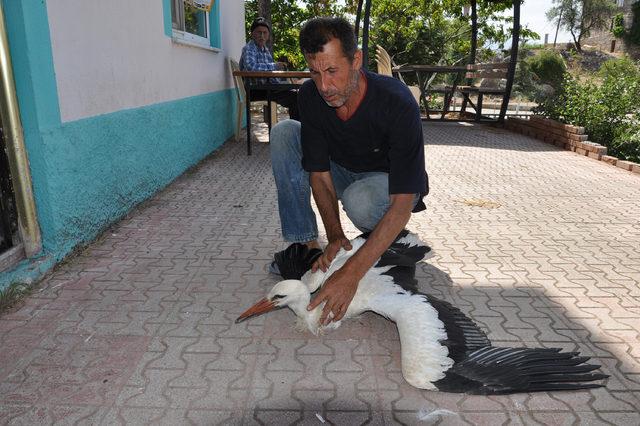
[278, 296]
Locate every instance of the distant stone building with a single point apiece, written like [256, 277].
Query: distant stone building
[606, 41]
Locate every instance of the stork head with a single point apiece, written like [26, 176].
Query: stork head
[291, 293]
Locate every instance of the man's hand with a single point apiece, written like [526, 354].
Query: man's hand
[337, 292]
[330, 252]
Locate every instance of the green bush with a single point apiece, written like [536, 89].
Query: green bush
[608, 109]
[617, 28]
[626, 143]
[623, 68]
[525, 83]
[549, 67]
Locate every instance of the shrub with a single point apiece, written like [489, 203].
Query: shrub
[617, 28]
[549, 67]
[525, 82]
[608, 109]
[623, 68]
[12, 294]
[626, 143]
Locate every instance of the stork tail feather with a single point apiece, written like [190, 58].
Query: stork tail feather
[295, 260]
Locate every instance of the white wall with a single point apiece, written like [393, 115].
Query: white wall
[111, 55]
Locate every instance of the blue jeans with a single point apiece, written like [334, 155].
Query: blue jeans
[364, 196]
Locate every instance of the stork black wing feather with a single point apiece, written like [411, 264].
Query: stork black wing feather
[405, 277]
[493, 370]
[296, 260]
[463, 335]
[401, 253]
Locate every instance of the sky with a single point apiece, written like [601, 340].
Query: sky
[532, 14]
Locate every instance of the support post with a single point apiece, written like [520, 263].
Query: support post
[511, 72]
[358, 16]
[365, 35]
[16, 151]
[474, 32]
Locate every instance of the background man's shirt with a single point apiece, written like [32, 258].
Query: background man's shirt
[254, 58]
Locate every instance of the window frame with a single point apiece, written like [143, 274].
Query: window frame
[178, 24]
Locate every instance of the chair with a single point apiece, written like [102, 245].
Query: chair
[241, 97]
[384, 61]
[385, 64]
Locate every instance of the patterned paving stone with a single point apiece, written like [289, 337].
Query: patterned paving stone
[138, 328]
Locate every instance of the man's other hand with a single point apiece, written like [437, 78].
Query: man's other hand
[324, 261]
[337, 293]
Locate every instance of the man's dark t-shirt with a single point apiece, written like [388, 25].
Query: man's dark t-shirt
[383, 135]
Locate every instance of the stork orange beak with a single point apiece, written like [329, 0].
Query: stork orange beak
[262, 307]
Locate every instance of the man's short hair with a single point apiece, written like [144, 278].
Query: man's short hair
[317, 32]
[260, 22]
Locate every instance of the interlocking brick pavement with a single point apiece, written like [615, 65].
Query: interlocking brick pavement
[539, 245]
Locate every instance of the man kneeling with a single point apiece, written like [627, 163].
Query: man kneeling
[359, 141]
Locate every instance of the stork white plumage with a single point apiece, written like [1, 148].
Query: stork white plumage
[441, 348]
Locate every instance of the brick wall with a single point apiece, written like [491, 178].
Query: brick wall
[572, 138]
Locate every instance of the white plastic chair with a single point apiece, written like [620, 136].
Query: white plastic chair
[241, 96]
[385, 64]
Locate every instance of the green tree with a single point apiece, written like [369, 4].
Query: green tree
[580, 17]
[411, 31]
[287, 17]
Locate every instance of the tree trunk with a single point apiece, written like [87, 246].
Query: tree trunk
[264, 10]
[576, 41]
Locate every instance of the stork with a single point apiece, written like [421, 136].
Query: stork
[441, 348]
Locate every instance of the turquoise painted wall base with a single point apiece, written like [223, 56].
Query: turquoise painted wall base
[96, 169]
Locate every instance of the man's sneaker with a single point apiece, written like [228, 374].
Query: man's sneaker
[294, 261]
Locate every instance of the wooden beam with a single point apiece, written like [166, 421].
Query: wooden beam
[488, 66]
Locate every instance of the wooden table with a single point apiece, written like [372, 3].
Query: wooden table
[424, 73]
[269, 87]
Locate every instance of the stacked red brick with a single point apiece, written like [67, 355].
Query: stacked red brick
[566, 136]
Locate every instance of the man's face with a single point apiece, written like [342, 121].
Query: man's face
[334, 75]
[260, 35]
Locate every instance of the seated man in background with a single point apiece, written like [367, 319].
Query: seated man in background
[257, 57]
